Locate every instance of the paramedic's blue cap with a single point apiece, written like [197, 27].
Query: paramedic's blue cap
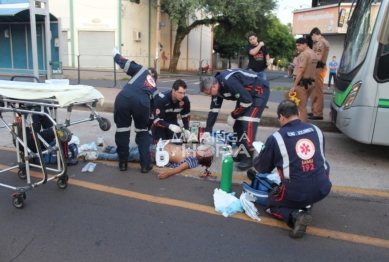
[301, 40]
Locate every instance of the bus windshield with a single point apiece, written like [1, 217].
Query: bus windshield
[360, 29]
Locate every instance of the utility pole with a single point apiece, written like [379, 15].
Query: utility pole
[158, 36]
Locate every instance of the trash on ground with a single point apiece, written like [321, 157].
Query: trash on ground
[226, 203]
[249, 208]
[90, 146]
[90, 167]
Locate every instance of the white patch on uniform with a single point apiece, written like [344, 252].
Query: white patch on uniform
[181, 103]
[151, 81]
[302, 59]
[319, 45]
[305, 149]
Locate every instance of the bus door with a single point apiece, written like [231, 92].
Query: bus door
[381, 75]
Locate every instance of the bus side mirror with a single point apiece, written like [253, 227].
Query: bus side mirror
[341, 17]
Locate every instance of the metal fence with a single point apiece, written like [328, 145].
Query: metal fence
[103, 66]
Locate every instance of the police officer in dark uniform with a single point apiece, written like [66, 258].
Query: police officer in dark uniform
[168, 105]
[297, 150]
[251, 94]
[134, 102]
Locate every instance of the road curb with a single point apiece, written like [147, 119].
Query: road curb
[267, 120]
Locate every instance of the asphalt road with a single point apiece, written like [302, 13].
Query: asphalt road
[109, 215]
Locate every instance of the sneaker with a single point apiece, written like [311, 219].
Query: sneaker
[100, 141]
[301, 220]
[87, 156]
[91, 156]
[82, 156]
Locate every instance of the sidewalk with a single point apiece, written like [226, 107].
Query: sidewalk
[200, 108]
[199, 103]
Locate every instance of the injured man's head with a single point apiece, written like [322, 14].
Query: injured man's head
[204, 154]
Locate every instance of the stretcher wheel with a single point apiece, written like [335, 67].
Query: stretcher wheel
[62, 181]
[64, 134]
[104, 124]
[18, 200]
[22, 173]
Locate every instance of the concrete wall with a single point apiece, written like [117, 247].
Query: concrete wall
[336, 49]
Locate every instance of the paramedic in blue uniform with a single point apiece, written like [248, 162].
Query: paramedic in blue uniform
[168, 105]
[251, 94]
[297, 150]
[134, 102]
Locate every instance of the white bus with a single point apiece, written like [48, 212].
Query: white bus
[360, 104]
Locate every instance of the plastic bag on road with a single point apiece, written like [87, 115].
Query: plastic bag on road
[90, 167]
[85, 147]
[74, 140]
[226, 203]
[248, 206]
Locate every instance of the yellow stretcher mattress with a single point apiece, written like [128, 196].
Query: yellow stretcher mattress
[65, 94]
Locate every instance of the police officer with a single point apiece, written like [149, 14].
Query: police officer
[296, 65]
[251, 94]
[321, 47]
[305, 77]
[168, 105]
[297, 150]
[133, 102]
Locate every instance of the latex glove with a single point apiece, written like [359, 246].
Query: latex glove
[175, 128]
[205, 136]
[187, 134]
[230, 120]
[115, 51]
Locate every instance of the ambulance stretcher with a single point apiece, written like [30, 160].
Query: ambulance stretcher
[25, 99]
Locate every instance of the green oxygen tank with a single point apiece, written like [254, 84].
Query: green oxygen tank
[227, 169]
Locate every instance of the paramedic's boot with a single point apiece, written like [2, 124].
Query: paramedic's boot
[146, 169]
[247, 161]
[301, 220]
[251, 174]
[123, 165]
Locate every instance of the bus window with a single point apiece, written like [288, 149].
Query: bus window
[386, 49]
[383, 64]
[359, 35]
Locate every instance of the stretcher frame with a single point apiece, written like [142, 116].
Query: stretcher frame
[23, 110]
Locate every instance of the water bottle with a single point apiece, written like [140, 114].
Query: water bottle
[161, 157]
[227, 169]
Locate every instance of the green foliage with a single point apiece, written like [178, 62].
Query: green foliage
[277, 37]
[235, 16]
[283, 62]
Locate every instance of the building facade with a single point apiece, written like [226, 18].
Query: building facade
[90, 29]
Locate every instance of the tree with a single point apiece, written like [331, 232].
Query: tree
[227, 46]
[186, 15]
[278, 38]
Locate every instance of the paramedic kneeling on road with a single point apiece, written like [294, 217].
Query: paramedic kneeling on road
[297, 151]
[251, 94]
[133, 101]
